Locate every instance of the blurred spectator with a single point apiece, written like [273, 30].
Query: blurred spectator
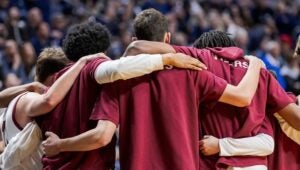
[179, 38]
[29, 58]
[161, 5]
[3, 10]
[42, 38]
[285, 21]
[274, 61]
[291, 74]
[253, 24]
[58, 29]
[241, 39]
[13, 69]
[16, 27]
[35, 18]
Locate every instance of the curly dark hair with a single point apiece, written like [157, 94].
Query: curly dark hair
[214, 39]
[85, 39]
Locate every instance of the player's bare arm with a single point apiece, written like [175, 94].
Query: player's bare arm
[291, 113]
[8, 94]
[149, 47]
[34, 104]
[95, 138]
[242, 94]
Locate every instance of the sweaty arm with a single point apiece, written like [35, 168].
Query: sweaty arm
[135, 66]
[242, 94]
[34, 104]
[8, 94]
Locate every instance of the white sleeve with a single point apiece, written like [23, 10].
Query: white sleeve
[290, 132]
[128, 67]
[259, 145]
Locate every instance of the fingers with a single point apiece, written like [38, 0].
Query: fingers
[44, 143]
[103, 55]
[255, 59]
[47, 134]
[193, 67]
[249, 57]
[206, 136]
[195, 64]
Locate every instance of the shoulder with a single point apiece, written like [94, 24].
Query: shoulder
[92, 65]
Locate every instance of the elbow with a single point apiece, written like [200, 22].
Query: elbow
[49, 103]
[243, 100]
[102, 140]
[246, 102]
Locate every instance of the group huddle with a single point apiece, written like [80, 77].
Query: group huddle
[177, 108]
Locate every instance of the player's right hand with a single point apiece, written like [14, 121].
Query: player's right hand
[255, 60]
[50, 146]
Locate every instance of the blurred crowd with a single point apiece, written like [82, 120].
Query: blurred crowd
[265, 28]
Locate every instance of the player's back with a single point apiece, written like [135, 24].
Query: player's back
[222, 120]
[71, 117]
[159, 118]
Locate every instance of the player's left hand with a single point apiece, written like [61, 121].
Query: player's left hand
[209, 145]
[37, 87]
[51, 145]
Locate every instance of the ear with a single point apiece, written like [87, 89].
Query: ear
[167, 38]
[134, 38]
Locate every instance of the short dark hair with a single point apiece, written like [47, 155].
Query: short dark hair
[150, 25]
[50, 61]
[85, 39]
[214, 39]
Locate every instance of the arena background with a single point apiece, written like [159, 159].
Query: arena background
[265, 28]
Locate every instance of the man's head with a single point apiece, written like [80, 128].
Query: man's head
[50, 61]
[151, 25]
[85, 39]
[214, 39]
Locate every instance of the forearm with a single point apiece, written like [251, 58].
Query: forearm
[259, 145]
[242, 94]
[128, 67]
[148, 47]
[90, 140]
[62, 85]
[249, 83]
[8, 94]
[36, 105]
[84, 142]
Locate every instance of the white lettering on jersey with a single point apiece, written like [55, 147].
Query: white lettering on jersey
[237, 63]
